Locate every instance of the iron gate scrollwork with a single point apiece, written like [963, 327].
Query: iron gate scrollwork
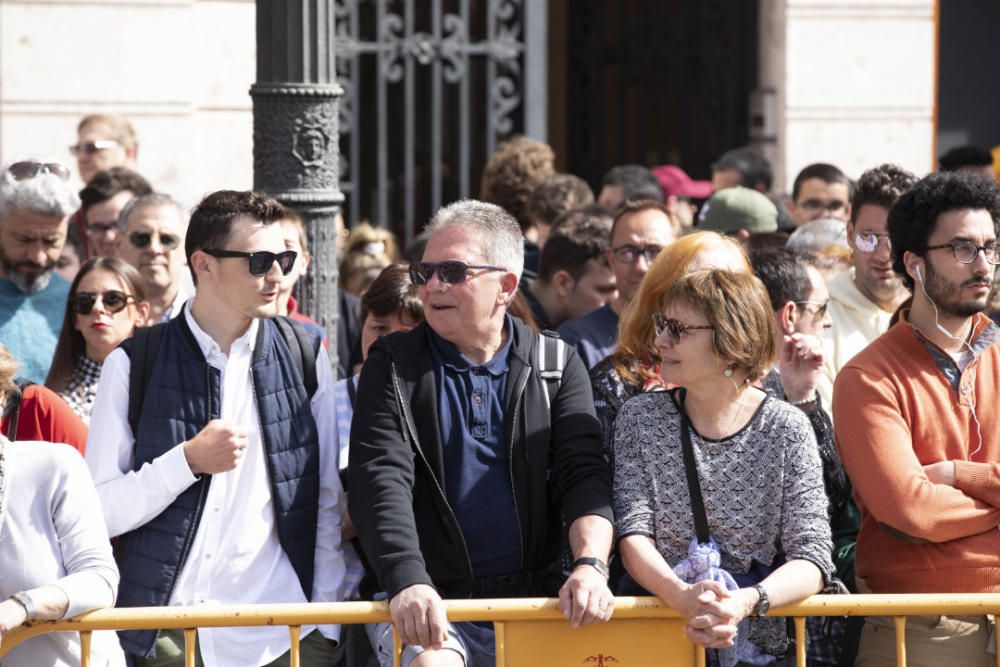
[430, 87]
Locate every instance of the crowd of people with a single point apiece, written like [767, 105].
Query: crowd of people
[698, 390]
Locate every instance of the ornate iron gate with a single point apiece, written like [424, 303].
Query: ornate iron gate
[430, 87]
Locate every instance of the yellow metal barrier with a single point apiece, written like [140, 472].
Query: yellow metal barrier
[529, 631]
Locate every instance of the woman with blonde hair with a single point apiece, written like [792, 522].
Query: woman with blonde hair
[633, 368]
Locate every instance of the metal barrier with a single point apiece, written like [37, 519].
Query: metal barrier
[529, 631]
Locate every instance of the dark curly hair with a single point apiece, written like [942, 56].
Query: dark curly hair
[518, 166]
[913, 217]
[880, 186]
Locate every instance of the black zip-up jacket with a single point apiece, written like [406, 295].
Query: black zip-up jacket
[397, 500]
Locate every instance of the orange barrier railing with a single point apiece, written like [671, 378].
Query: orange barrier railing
[528, 631]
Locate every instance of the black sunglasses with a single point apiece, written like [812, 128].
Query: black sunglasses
[114, 301]
[22, 171]
[450, 271]
[260, 262]
[143, 239]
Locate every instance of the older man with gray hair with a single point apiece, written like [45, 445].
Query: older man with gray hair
[36, 201]
[151, 238]
[477, 434]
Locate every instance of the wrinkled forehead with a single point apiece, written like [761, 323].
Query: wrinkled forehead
[455, 242]
[156, 218]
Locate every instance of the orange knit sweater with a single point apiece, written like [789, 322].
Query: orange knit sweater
[895, 412]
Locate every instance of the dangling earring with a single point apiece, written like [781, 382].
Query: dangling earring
[728, 372]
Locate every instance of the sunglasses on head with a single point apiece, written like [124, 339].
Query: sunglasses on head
[450, 271]
[114, 301]
[143, 239]
[22, 171]
[260, 262]
[674, 330]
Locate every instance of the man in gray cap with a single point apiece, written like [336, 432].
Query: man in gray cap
[740, 212]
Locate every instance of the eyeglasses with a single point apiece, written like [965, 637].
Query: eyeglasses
[821, 306]
[451, 271]
[868, 242]
[629, 254]
[817, 205]
[966, 252]
[260, 262]
[22, 171]
[92, 147]
[114, 301]
[675, 330]
[143, 239]
[98, 229]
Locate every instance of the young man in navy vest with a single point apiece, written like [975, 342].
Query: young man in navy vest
[466, 456]
[229, 493]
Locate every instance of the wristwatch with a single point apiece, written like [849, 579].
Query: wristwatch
[763, 604]
[595, 563]
[25, 601]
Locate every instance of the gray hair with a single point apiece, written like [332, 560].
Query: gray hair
[499, 231]
[819, 234]
[45, 194]
[152, 200]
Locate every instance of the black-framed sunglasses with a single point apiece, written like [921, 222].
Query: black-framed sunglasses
[92, 147]
[260, 262]
[143, 239]
[966, 252]
[450, 271]
[674, 330]
[114, 301]
[821, 306]
[22, 171]
[629, 254]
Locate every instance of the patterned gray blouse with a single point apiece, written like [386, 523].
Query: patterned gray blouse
[762, 486]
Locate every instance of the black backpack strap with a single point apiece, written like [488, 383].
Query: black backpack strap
[352, 392]
[691, 469]
[301, 346]
[13, 408]
[142, 351]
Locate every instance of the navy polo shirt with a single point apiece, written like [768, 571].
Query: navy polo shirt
[476, 470]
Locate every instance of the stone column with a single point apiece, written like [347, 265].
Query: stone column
[295, 152]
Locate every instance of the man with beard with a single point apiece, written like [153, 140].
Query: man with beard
[151, 239]
[863, 299]
[35, 204]
[917, 424]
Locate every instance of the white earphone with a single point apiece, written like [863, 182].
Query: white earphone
[919, 277]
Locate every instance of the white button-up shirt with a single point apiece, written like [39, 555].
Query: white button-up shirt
[235, 556]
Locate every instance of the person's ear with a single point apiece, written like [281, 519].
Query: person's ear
[306, 258]
[142, 314]
[203, 264]
[508, 288]
[788, 316]
[790, 206]
[563, 283]
[914, 265]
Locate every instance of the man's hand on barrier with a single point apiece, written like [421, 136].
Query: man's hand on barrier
[12, 615]
[217, 448]
[418, 614]
[585, 597]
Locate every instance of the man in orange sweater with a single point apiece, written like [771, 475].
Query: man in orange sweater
[918, 429]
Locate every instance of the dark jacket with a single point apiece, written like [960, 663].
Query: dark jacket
[183, 395]
[397, 501]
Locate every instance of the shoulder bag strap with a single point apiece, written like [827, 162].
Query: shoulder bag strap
[691, 469]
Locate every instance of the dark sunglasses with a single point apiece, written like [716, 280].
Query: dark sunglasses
[22, 171]
[143, 239]
[92, 147]
[260, 262]
[675, 330]
[821, 306]
[114, 301]
[629, 254]
[450, 271]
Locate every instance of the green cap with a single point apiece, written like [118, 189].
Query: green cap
[733, 209]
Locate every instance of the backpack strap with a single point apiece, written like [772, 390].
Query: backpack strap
[352, 392]
[301, 347]
[551, 361]
[142, 351]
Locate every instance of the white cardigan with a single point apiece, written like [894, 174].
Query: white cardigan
[52, 532]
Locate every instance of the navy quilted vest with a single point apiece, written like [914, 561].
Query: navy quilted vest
[183, 396]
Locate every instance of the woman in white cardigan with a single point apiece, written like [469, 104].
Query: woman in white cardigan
[55, 557]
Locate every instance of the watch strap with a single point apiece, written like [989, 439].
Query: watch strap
[595, 563]
[23, 599]
[763, 603]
